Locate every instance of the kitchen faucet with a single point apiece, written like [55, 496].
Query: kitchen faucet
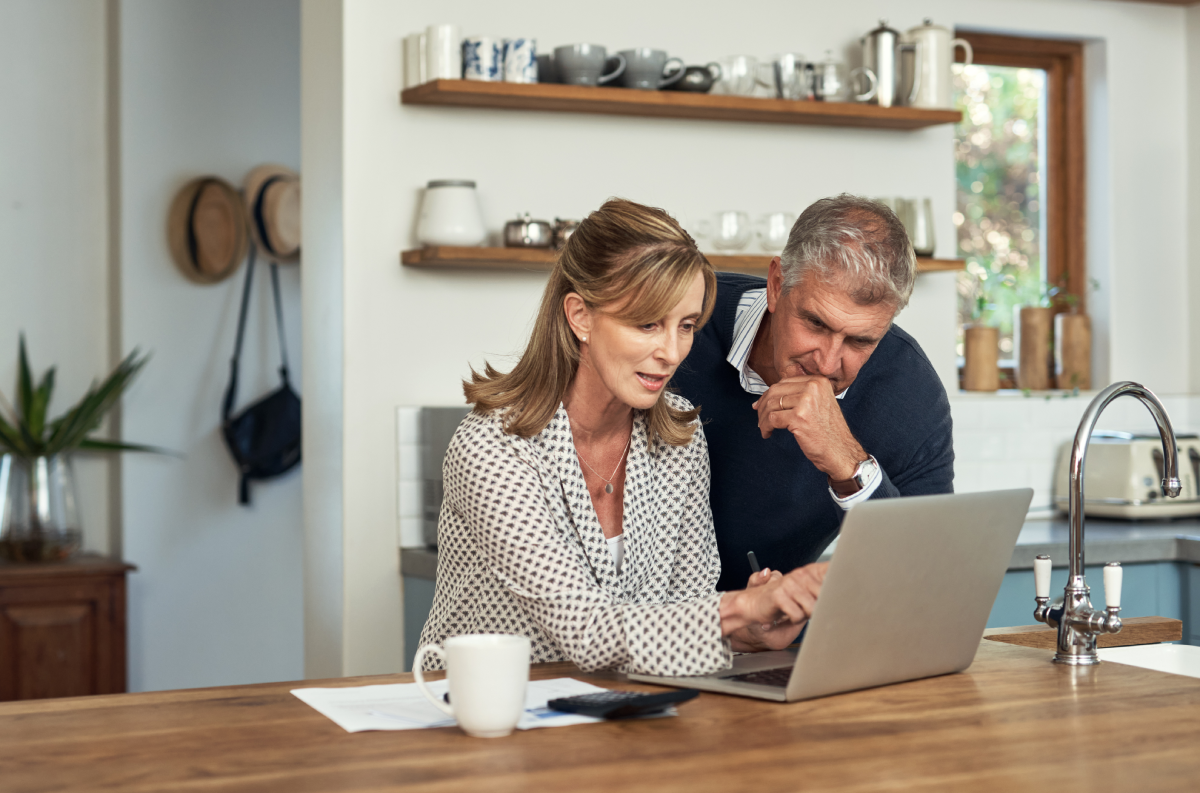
[1078, 623]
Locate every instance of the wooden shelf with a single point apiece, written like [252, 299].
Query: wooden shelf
[670, 104]
[541, 259]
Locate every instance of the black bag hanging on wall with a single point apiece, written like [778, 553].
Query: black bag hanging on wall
[264, 439]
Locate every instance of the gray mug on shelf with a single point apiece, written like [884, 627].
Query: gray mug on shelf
[646, 69]
[547, 71]
[585, 64]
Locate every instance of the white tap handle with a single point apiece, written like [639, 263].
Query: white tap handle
[1041, 576]
[1112, 585]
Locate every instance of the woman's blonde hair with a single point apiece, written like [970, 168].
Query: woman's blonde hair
[634, 257]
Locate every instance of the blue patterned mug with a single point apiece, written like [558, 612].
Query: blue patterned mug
[520, 61]
[482, 58]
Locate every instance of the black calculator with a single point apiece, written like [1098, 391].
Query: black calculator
[621, 704]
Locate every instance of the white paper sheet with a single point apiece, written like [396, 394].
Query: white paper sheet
[401, 706]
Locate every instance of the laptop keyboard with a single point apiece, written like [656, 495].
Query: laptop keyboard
[768, 677]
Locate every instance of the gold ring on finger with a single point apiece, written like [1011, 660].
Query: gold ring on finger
[781, 407]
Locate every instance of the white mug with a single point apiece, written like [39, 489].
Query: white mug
[443, 53]
[414, 60]
[487, 673]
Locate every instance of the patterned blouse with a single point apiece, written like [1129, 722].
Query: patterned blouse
[521, 551]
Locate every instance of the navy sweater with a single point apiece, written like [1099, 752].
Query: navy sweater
[766, 496]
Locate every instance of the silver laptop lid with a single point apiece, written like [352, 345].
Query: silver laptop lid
[909, 590]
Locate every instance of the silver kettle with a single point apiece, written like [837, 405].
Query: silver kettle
[882, 49]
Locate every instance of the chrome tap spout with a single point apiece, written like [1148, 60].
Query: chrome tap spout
[1170, 483]
[1077, 621]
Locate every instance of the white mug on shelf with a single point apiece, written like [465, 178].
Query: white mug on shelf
[487, 675]
[443, 53]
[414, 59]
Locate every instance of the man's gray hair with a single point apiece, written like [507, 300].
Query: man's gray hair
[854, 243]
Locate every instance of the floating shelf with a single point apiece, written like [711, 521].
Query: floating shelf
[670, 104]
[541, 259]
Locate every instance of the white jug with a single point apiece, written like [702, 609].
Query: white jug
[935, 54]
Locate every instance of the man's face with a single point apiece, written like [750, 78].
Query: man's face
[817, 329]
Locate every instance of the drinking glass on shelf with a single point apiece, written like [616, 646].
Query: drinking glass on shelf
[772, 230]
[728, 231]
[739, 76]
[917, 216]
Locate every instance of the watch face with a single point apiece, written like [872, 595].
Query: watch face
[866, 471]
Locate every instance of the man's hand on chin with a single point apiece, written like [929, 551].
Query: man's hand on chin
[806, 406]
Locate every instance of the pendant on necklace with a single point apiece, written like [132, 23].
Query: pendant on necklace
[608, 488]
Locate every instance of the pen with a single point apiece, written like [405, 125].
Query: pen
[750, 557]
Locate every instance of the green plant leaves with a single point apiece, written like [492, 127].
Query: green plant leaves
[27, 432]
[69, 431]
[97, 445]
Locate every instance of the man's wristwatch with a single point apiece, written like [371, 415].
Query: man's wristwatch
[866, 471]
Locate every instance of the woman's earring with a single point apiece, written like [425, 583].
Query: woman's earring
[583, 339]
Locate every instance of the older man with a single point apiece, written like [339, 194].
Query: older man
[813, 401]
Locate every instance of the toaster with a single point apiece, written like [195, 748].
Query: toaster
[1122, 477]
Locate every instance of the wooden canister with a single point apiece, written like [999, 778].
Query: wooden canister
[981, 354]
[1032, 333]
[1073, 351]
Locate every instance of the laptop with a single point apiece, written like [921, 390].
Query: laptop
[907, 596]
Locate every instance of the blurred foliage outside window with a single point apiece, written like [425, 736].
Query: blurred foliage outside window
[1000, 173]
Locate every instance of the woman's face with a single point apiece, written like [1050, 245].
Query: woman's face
[635, 362]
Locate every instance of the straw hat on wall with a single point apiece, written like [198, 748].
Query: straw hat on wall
[206, 230]
[273, 211]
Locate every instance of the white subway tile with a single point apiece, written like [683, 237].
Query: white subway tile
[410, 462]
[409, 500]
[412, 533]
[979, 445]
[408, 424]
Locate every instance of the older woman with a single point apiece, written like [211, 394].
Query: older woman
[576, 493]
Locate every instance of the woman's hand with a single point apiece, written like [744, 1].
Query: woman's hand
[771, 610]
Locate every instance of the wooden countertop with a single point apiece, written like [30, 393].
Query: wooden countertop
[1013, 721]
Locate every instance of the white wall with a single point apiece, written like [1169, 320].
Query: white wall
[1192, 84]
[53, 220]
[409, 334]
[205, 88]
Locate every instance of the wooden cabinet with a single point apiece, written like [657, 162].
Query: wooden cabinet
[62, 628]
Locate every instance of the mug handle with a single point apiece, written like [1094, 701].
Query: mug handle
[676, 76]
[715, 70]
[966, 45]
[418, 661]
[608, 78]
[870, 75]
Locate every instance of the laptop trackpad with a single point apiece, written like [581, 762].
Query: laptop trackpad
[753, 662]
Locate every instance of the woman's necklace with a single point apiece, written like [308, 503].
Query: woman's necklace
[608, 487]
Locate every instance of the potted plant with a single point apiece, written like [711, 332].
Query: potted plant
[1073, 342]
[39, 520]
[981, 350]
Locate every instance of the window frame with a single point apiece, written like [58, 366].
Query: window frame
[1064, 196]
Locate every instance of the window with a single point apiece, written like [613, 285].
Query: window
[1019, 160]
